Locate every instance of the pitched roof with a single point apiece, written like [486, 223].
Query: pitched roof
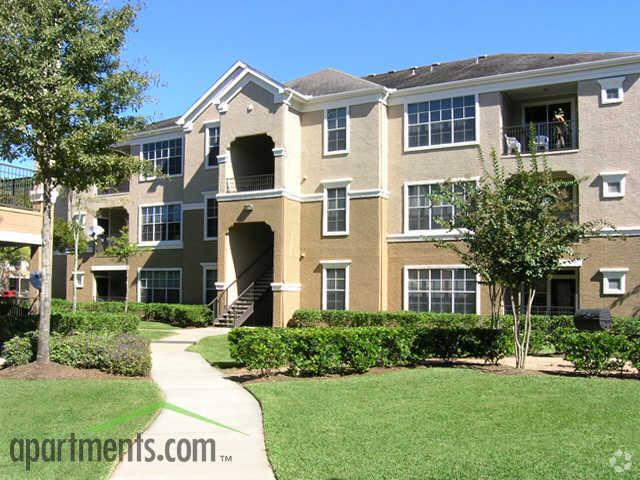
[167, 122]
[329, 81]
[484, 67]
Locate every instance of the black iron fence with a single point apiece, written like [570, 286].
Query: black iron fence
[250, 183]
[547, 137]
[16, 183]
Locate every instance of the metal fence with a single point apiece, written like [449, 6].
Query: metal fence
[16, 184]
[250, 183]
[548, 136]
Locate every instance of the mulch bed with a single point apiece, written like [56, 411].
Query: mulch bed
[55, 371]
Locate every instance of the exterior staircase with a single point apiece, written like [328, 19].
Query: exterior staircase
[237, 312]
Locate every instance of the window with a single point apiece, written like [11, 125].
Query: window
[161, 223]
[336, 130]
[441, 122]
[614, 280]
[441, 290]
[159, 286]
[421, 213]
[80, 219]
[164, 157]
[211, 227]
[79, 279]
[336, 214]
[612, 90]
[210, 291]
[613, 184]
[335, 284]
[20, 285]
[213, 146]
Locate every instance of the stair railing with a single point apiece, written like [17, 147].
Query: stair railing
[221, 303]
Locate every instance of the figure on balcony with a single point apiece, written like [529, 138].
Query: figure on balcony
[561, 129]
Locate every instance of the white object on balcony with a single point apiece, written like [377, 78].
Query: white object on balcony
[541, 141]
[37, 195]
[512, 144]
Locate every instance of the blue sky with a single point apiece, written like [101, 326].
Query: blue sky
[190, 43]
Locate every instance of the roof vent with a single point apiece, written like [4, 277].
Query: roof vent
[391, 71]
[436, 64]
[413, 70]
[480, 57]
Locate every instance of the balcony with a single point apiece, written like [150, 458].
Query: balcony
[548, 137]
[15, 185]
[250, 183]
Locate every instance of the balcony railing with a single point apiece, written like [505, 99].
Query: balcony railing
[548, 137]
[15, 185]
[250, 183]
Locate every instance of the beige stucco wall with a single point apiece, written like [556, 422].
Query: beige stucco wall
[14, 220]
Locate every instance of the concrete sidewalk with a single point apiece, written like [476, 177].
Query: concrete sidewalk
[192, 384]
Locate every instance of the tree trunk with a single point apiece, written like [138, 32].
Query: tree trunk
[522, 333]
[126, 287]
[75, 270]
[45, 292]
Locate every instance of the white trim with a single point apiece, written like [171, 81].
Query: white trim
[405, 207]
[405, 286]
[207, 126]
[192, 206]
[427, 236]
[570, 263]
[336, 184]
[279, 152]
[286, 287]
[335, 264]
[221, 286]
[205, 216]
[160, 244]
[337, 181]
[207, 266]
[167, 269]
[610, 84]
[613, 177]
[619, 231]
[360, 96]
[326, 151]
[373, 193]
[78, 278]
[16, 237]
[476, 117]
[271, 193]
[222, 158]
[109, 268]
[141, 177]
[614, 274]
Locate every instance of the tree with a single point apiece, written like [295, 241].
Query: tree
[70, 237]
[514, 232]
[65, 99]
[10, 260]
[121, 248]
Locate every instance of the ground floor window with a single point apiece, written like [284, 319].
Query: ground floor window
[210, 292]
[20, 285]
[160, 286]
[335, 285]
[440, 290]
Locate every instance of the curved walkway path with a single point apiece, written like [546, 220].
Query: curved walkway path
[190, 383]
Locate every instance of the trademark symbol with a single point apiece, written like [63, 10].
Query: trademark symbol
[226, 458]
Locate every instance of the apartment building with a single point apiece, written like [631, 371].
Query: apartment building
[313, 193]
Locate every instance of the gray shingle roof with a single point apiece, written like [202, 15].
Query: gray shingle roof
[488, 66]
[329, 81]
[167, 122]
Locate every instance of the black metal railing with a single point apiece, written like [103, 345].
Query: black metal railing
[548, 137]
[109, 298]
[16, 184]
[544, 310]
[250, 183]
[122, 187]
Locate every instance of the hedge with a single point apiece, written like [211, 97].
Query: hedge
[66, 322]
[597, 352]
[317, 351]
[118, 354]
[174, 314]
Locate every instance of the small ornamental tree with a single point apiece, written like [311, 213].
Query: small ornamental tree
[515, 231]
[122, 249]
[65, 99]
[70, 237]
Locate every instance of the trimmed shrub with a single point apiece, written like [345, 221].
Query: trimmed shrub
[634, 353]
[626, 326]
[596, 352]
[113, 307]
[118, 354]
[61, 305]
[318, 351]
[177, 315]
[66, 322]
[12, 325]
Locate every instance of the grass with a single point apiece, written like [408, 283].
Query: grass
[154, 330]
[40, 409]
[144, 325]
[438, 423]
[154, 335]
[215, 350]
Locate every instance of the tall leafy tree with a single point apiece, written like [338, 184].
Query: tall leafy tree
[515, 229]
[65, 98]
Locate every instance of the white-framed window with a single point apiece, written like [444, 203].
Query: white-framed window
[19, 284]
[79, 279]
[335, 284]
[441, 122]
[210, 218]
[335, 206]
[421, 213]
[440, 289]
[164, 156]
[160, 223]
[336, 127]
[212, 147]
[80, 219]
[613, 184]
[209, 278]
[160, 285]
[611, 90]
[614, 281]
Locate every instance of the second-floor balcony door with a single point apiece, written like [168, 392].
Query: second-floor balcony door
[553, 121]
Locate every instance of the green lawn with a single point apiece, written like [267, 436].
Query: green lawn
[144, 325]
[154, 330]
[215, 350]
[154, 335]
[439, 423]
[42, 409]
